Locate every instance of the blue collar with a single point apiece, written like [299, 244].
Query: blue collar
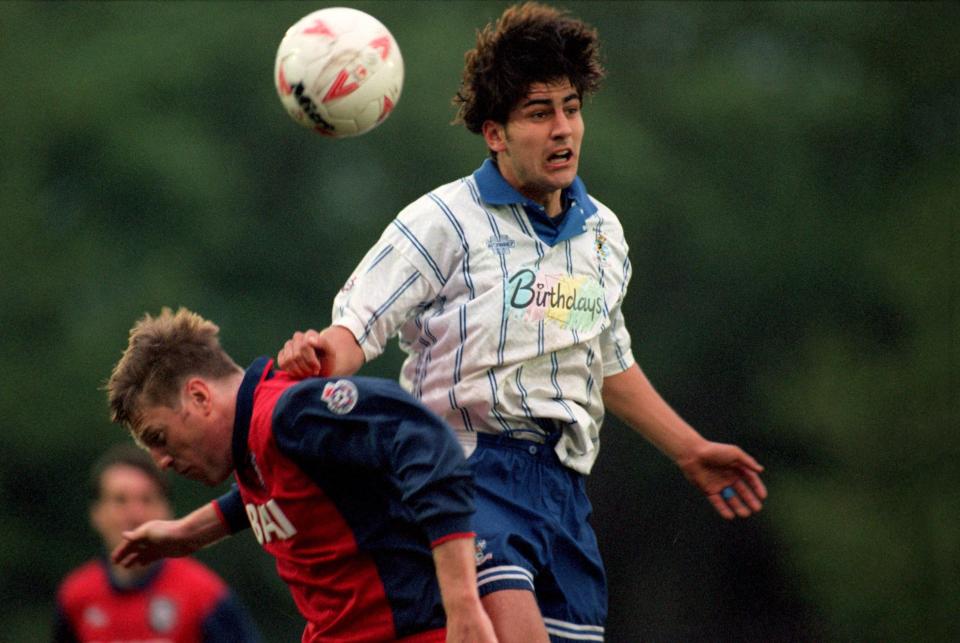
[137, 584]
[260, 369]
[495, 190]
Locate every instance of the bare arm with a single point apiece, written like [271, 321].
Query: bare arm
[332, 351]
[467, 622]
[170, 538]
[711, 466]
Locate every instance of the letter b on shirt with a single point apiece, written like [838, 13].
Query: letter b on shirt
[269, 522]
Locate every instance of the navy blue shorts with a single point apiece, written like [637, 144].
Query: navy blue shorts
[533, 533]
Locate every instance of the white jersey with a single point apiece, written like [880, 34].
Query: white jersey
[504, 332]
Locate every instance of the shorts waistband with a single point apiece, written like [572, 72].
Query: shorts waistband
[543, 450]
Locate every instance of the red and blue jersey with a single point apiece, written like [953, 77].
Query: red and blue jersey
[348, 483]
[178, 601]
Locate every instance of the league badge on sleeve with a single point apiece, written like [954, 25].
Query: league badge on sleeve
[340, 396]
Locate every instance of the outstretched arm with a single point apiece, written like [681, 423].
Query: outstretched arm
[711, 466]
[467, 622]
[170, 538]
[331, 352]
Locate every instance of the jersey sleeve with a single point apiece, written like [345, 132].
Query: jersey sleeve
[615, 340]
[229, 622]
[378, 298]
[615, 346]
[230, 510]
[375, 425]
[400, 275]
[62, 631]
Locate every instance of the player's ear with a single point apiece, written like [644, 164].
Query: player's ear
[96, 517]
[495, 135]
[198, 392]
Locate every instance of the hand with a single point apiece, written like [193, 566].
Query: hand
[300, 355]
[152, 541]
[714, 467]
[331, 352]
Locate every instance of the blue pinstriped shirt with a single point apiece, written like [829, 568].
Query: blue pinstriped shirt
[510, 320]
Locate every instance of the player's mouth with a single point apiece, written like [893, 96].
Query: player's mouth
[560, 158]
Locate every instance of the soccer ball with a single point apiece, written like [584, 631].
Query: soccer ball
[339, 72]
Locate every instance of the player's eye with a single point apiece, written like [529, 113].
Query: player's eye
[153, 439]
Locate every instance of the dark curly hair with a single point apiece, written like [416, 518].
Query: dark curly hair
[530, 43]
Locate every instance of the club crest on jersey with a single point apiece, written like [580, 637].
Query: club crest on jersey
[602, 248]
[480, 552]
[501, 244]
[347, 287]
[340, 396]
[162, 614]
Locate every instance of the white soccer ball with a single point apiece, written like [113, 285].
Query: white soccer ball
[339, 72]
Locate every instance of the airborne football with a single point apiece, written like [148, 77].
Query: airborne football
[338, 72]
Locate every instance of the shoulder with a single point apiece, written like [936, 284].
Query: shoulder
[607, 217]
[335, 397]
[443, 205]
[88, 577]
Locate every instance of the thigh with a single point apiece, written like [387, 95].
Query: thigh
[510, 528]
[572, 587]
[515, 616]
[536, 551]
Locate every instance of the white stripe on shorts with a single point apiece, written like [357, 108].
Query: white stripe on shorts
[573, 631]
[504, 572]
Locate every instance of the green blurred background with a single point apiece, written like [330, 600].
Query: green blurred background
[787, 175]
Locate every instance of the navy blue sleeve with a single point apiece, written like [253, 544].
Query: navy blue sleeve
[229, 622]
[62, 629]
[231, 509]
[374, 424]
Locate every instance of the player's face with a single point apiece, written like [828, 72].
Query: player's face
[189, 439]
[128, 498]
[538, 149]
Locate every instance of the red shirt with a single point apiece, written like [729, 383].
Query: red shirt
[169, 606]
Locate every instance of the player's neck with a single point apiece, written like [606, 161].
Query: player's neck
[128, 576]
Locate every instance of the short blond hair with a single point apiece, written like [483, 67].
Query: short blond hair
[162, 353]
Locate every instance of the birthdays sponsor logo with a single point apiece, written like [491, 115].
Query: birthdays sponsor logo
[573, 302]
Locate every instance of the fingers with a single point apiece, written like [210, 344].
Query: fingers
[755, 483]
[121, 553]
[721, 506]
[742, 498]
[734, 456]
[299, 354]
[749, 462]
[129, 552]
[743, 495]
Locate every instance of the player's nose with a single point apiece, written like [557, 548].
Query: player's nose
[561, 125]
[164, 461]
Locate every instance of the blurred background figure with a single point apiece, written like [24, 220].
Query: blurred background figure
[176, 600]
